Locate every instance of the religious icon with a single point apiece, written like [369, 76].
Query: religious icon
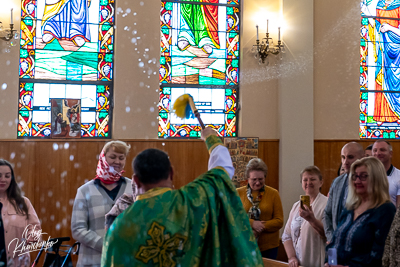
[242, 150]
[65, 118]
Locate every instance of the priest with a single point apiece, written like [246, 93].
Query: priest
[200, 224]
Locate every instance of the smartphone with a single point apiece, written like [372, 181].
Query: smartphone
[332, 256]
[305, 200]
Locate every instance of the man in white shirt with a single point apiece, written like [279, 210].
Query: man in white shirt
[383, 150]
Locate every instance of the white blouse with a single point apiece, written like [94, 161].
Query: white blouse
[308, 244]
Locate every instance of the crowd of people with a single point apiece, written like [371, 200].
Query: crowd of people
[208, 222]
[357, 220]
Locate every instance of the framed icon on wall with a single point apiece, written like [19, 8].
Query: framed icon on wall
[65, 118]
[242, 150]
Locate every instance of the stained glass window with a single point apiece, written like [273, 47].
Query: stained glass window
[380, 69]
[199, 56]
[66, 52]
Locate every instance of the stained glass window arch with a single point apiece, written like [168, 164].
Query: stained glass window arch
[66, 69]
[379, 69]
[199, 56]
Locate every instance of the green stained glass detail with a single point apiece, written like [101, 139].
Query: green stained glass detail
[28, 86]
[103, 2]
[54, 45]
[102, 114]
[235, 63]
[111, 47]
[210, 80]
[101, 88]
[162, 60]
[236, 53]
[234, 134]
[232, 34]
[362, 117]
[392, 135]
[168, 6]
[361, 69]
[370, 119]
[362, 42]
[193, 134]
[23, 53]
[24, 113]
[163, 115]
[108, 58]
[229, 10]
[364, 96]
[54, 59]
[364, 21]
[28, 22]
[183, 70]
[165, 30]
[385, 135]
[106, 26]
[167, 91]
[230, 116]
[228, 92]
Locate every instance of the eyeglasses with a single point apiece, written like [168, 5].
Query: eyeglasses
[362, 177]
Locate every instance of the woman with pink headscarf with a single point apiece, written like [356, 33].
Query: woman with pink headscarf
[95, 199]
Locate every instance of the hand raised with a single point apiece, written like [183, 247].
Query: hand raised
[206, 132]
[306, 212]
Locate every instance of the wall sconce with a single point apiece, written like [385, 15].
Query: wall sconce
[266, 47]
[9, 35]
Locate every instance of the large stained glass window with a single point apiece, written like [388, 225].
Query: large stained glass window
[66, 53]
[380, 69]
[199, 56]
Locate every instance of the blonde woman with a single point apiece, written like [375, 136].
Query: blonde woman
[96, 198]
[365, 223]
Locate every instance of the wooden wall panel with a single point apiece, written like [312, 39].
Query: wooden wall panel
[327, 157]
[50, 171]
[269, 152]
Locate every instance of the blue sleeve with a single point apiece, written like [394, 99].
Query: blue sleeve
[327, 219]
[382, 220]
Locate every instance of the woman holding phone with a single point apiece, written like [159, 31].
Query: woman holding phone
[304, 236]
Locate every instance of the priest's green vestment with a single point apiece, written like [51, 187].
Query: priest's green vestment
[201, 224]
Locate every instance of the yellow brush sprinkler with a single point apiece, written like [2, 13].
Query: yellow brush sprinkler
[184, 107]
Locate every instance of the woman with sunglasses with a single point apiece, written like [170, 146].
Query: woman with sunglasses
[365, 222]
